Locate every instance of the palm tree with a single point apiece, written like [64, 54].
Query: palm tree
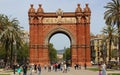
[1, 22]
[112, 17]
[109, 31]
[11, 33]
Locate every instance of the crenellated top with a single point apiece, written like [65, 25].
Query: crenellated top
[31, 10]
[40, 9]
[78, 12]
[78, 9]
[87, 9]
[79, 16]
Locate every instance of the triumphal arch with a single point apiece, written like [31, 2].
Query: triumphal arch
[43, 25]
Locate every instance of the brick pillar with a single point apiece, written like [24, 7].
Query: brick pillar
[45, 57]
[73, 54]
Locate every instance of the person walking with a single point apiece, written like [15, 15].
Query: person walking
[25, 69]
[35, 68]
[31, 68]
[14, 67]
[85, 65]
[19, 70]
[39, 69]
[65, 68]
[103, 69]
[99, 68]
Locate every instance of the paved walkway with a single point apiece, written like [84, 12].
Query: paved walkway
[71, 72]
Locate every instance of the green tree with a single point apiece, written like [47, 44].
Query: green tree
[114, 54]
[109, 31]
[2, 52]
[52, 53]
[10, 36]
[23, 54]
[104, 49]
[67, 54]
[112, 17]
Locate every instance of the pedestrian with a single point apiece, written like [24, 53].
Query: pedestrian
[99, 69]
[65, 68]
[25, 69]
[75, 66]
[19, 70]
[85, 66]
[39, 69]
[79, 66]
[31, 68]
[49, 68]
[45, 67]
[35, 68]
[103, 69]
[14, 67]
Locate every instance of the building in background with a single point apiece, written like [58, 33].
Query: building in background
[100, 49]
[26, 37]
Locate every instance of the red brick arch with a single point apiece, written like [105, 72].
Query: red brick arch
[60, 30]
[76, 25]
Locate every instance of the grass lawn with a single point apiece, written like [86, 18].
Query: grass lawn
[96, 69]
[92, 69]
[115, 74]
[4, 74]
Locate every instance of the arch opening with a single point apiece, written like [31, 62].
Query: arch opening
[60, 40]
[62, 44]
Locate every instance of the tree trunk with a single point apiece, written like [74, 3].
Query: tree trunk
[110, 49]
[6, 57]
[119, 45]
[118, 23]
[11, 56]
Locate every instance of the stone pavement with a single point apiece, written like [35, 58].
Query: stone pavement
[71, 72]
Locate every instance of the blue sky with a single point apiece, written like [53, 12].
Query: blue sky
[19, 9]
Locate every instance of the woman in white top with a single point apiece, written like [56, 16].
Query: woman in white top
[103, 69]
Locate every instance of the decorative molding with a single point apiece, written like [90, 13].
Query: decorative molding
[58, 20]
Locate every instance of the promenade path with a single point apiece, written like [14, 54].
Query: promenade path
[72, 71]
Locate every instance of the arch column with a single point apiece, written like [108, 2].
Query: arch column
[74, 55]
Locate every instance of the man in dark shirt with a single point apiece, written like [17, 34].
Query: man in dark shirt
[25, 69]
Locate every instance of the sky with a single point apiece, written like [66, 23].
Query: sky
[19, 9]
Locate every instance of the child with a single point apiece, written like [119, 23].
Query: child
[19, 70]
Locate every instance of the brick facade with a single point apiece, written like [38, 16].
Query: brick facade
[76, 25]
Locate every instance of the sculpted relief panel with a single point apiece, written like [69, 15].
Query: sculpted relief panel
[59, 20]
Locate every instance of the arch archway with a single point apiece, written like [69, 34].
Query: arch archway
[60, 41]
[60, 30]
[76, 25]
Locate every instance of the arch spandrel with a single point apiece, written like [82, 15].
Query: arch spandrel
[60, 30]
